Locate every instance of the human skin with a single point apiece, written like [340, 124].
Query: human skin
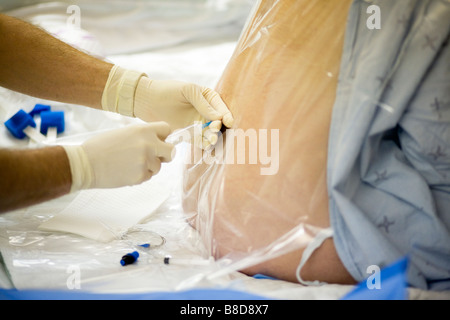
[34, 63]
[283, 75]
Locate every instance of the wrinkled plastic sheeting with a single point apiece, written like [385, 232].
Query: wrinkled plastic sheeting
[261, 193]
[124, 27]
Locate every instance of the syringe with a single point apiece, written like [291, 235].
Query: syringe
[187, 134]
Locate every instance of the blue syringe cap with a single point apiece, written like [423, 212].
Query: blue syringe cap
[18, 122]
[52, 119]
[129, 258]
[38, 108]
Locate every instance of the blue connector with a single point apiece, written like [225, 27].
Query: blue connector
[52, 119]
[206, 124]
[17, 123]
[38, 108]
[129, 258]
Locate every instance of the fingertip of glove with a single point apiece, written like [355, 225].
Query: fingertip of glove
[163, 129]
[228, 120]
[215, 126]
[213, 139]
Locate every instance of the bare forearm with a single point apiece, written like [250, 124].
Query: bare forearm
[32, 176]
[35, 63]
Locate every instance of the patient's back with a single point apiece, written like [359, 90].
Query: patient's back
[280, 85]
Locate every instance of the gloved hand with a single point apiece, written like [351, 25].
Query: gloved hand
[120, 157]
[178, 103]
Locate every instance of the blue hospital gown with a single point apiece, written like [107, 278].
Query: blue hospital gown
[389, 146]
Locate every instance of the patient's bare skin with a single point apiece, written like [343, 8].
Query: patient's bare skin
[283, 75]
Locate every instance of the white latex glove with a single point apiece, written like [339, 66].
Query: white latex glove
[180, 104]
[120, 157]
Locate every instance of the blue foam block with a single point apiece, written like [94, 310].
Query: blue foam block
[18, 122]
[52, 119]
[38, 108]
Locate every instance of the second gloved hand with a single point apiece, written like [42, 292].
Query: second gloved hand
[121, 157]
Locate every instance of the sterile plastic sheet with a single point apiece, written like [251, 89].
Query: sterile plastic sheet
[129, 26]
[50, 259]
[260, 197]
[263, 210]
[339, 153]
